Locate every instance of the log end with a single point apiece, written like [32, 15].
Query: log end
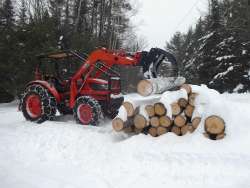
[118, 124]
[214, 125]
[145, 88]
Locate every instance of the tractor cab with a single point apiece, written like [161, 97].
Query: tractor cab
[58, 69]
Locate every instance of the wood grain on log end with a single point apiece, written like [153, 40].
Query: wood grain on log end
[196, 122]
[153, 131]
[165, 121]
[154, 121]
[176, 109]
[140, 121]
[118, 124]
[182, 103]
[160, 109]
[180, 121]
[150, 110]
[189, 111]
[214, 125]
[145, 88]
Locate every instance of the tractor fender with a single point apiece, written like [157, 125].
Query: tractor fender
[49, 87]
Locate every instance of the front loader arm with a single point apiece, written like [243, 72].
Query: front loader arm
[109, 58]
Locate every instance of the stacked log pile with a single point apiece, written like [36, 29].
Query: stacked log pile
[174, 111]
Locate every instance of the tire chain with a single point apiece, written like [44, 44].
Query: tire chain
[48, 102]
[94, 104]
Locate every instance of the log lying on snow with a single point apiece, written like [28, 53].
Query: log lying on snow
[150, 110]
[121, 121]
[175, 108]
[141, 120]
[155, 121]
[158, 85]
[215, 127]
[180, 120]
[165, 121]
[153, 131]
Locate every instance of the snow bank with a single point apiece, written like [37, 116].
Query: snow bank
[63, 154]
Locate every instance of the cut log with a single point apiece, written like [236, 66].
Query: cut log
[176, 130]
[196, 122]
[119, 123]
[130, 108]
[160, 109]
[191, 98]
[141, 120]
[184, 130]
[176, 109]
[183, 102]
[180, 120]
[189, 111]
[158, 85]
[214, 125]
[161, 131]
[154, 122]
[165, 121]
[187, 87]
[150, 110]
[153, 131]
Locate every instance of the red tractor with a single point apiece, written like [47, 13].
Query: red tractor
[86, 86]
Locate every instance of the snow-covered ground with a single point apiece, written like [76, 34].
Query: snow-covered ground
[62, 154]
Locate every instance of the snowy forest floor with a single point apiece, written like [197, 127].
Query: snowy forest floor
[62, 154]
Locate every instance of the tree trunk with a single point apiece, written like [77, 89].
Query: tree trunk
[158, 85]
[214, 125]
[121, 121]
[150, 110]
[154, 122]
[141, 120]
[160, 109]
[153, 131]
[165, 121]
[180, 120]
[189, 111]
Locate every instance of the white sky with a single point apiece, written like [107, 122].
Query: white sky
[158, 20]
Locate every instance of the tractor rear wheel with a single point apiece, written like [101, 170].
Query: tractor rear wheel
[87, 111]
[37, 104]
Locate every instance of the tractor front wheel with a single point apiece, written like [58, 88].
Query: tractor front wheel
[37, 104]
[87, 111]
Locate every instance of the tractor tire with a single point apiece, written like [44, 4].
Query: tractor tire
[37, 104]
[87, 111]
